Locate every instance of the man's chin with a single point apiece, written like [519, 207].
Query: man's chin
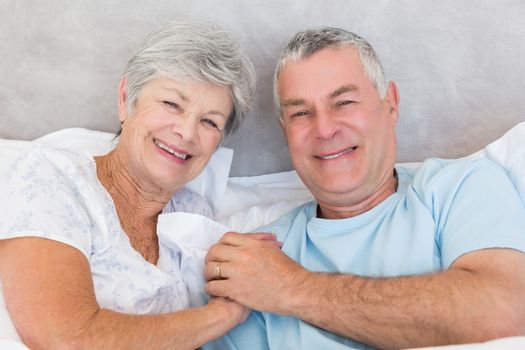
[334, 194]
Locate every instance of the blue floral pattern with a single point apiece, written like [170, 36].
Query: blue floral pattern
[55, 194]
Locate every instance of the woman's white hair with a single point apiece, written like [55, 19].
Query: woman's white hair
[201, 51]
[306, 43]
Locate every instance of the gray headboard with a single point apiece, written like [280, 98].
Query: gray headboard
[459, 65]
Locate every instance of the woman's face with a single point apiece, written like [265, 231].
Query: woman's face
[173, 130]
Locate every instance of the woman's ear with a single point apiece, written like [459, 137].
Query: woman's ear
[122, 98]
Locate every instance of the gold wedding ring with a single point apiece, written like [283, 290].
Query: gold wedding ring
[218, 271]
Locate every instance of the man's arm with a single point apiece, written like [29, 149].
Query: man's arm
[481, 296]
[49, 294]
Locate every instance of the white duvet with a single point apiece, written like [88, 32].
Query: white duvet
[245, 203]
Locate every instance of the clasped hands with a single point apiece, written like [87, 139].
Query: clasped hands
[252, 270]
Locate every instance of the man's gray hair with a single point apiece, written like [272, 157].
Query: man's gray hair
[201, 51]
[306, 43]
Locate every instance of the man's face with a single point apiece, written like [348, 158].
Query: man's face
[340, 133]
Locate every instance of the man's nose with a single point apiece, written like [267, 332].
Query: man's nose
[326, 125]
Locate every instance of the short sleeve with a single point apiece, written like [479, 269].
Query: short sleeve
[42, 198]
[482, 211]
[250, 334]
[187, 201]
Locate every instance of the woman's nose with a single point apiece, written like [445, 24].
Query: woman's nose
[185, 127]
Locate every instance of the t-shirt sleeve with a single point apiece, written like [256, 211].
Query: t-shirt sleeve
[250, 334]
[42, 199]
[482, 211]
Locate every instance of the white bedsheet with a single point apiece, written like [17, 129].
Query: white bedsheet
[191, 235]
[509, 343]
[8, 334]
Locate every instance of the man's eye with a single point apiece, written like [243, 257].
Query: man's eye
[299, 114]
[344, 103]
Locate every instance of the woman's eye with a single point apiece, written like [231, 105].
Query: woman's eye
[211, 123]
[171, 104]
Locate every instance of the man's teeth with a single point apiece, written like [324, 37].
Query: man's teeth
[332, 156]
[169, 150]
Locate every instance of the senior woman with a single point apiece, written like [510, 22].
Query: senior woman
[80, 259]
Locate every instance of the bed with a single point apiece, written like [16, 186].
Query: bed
[458, 66]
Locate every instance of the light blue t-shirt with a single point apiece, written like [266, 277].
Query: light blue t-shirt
[441, 211]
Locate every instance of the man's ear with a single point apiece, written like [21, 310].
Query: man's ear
[122, 98]
[281, 124]
[392, 99]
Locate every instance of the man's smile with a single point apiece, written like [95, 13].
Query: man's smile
[335, 154]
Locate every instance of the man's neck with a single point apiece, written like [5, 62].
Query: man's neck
[387, 188]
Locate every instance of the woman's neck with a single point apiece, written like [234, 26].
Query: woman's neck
[138, 204]
[126, 189]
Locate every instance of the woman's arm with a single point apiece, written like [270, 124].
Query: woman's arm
[49, 293]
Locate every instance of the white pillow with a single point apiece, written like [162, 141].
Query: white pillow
[253, 201]
[509, 151]
[210, 183]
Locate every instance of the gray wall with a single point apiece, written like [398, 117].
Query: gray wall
[459, 65]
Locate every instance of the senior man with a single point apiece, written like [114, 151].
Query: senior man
[385, 256]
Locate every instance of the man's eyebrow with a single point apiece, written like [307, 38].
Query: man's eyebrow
[339, 91]
[343, 89]
[293, 102]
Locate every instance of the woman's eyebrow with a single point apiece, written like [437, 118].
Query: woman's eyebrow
[178, 92]
[214, 112]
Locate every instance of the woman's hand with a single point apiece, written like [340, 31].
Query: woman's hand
[48, 290]
[234, 312]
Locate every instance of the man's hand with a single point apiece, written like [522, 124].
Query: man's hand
[252, 270]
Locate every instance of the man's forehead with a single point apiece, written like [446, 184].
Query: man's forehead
[329, 72]
[326, 61]
[330, 53]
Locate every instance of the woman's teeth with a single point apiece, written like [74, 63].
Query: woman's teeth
[169, 150]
